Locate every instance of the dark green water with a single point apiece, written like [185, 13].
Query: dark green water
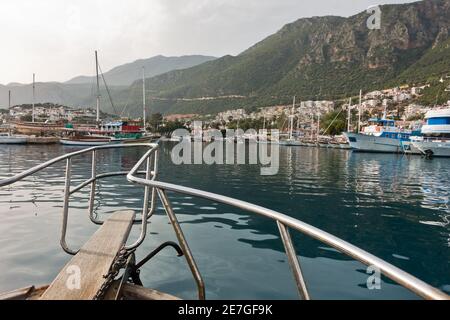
[395, 207]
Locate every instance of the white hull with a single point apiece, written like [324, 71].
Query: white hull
[13, 140]
[435, 149]
[409, 148]
[369, 143]
[94, 143]
[290, 143]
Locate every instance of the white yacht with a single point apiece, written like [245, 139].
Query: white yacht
[8, 138]
[435, 138]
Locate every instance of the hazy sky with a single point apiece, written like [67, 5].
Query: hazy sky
[56, 38]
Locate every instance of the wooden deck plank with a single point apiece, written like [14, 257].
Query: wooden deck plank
[92, 262]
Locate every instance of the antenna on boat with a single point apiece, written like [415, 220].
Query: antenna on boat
[34, 89]
[359, 111]
[143, 99]
[98, 88]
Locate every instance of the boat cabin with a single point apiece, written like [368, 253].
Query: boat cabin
[438, 124]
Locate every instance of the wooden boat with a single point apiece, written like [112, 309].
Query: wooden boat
[85, 141]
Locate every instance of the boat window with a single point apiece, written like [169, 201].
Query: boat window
[439, 121]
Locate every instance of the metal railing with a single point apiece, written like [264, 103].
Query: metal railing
[152, 187]
[150, 174]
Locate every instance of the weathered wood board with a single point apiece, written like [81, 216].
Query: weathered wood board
[82, 277]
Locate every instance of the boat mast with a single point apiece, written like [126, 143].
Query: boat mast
[34, 89]
[291, 129]
[359, 111]
[98, 88]
[318, 126]
[143, 100]
[349, 119]
[385, 110]
[9, 99]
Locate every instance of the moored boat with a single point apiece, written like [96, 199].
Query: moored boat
[8, 138]
[435, 134]
[382, 135]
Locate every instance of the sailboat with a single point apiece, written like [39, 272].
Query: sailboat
[262, 135]
[8, 137]
[291, 141]
[88, 139]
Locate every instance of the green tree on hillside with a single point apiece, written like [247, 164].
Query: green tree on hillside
[334, 122]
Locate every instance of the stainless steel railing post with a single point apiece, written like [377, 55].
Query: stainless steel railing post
[155, 174]
[183, 244]
[144, 219]
[293, 262]
[66, 208]
[93, 188]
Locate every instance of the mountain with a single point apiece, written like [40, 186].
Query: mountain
[320, 57]
[80, 91]
[313, 58]
[65, 94]
[126, 74]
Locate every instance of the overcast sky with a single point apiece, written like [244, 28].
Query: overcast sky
[56, 38]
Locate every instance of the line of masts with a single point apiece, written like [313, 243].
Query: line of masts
[349, 119]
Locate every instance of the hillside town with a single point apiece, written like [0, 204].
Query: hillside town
[399, 103]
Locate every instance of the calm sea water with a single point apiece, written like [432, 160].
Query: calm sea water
[395, 207]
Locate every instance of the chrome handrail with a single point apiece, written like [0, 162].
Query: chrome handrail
[406, 280]
[146, 212]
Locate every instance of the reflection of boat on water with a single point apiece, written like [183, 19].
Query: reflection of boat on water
[382, 135]
[435, 135]
[8, 138]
